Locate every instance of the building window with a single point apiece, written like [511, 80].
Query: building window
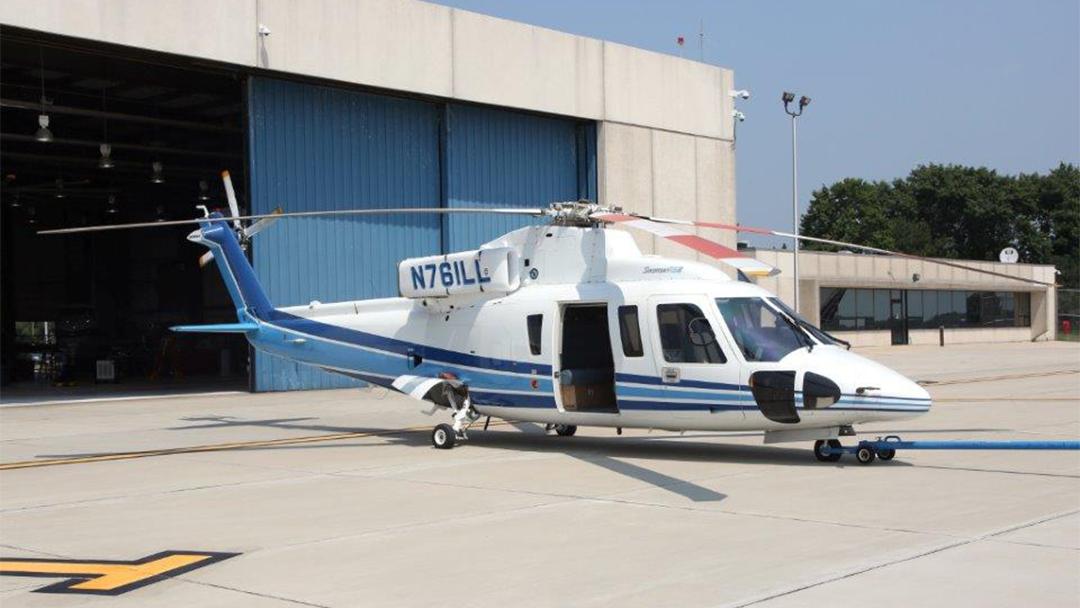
[844, 309]
[536, 325]
[630, 330]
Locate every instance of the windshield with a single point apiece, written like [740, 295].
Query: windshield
[761, 333]
[818, 334]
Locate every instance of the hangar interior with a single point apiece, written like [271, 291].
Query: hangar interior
[75, 303]
[129, 137]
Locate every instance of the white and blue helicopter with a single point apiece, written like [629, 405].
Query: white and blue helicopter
[567, 324]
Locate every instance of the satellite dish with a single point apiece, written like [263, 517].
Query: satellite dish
[1009, 255]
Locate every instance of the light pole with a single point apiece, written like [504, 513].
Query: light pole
[804, 101]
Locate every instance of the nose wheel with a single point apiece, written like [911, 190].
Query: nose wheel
[832, 454]
[866, 452]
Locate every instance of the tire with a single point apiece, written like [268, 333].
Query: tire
[886, 454]
[865, 455]
[443, 436]
[565, 430]
[832, 457]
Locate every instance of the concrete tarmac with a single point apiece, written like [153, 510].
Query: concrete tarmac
[336, 498]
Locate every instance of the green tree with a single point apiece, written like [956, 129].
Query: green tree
[958, 212]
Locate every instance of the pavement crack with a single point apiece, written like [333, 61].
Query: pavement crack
[253, 593]
[878, 566]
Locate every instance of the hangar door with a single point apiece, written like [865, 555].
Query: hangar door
[314, 148]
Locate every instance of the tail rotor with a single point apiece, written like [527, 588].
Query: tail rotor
[243, 233]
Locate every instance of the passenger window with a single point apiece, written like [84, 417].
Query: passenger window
[630, 330]
[536, 324]
[686, 336]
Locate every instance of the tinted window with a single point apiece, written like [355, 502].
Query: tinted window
[536, 326]
[686, 336]
[759, 331]
[630, 330]
[858, 309]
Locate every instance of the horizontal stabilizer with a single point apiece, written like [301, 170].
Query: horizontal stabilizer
[218, 328]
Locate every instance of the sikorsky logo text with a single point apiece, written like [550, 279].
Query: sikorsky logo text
[662, 270]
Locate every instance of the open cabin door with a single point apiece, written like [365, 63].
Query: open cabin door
[584, 366]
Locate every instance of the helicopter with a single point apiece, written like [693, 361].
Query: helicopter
[567, 323]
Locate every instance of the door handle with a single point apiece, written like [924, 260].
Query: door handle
[669, 375]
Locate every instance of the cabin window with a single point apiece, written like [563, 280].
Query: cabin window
[686, 336]
[630, 330]
[536, 326]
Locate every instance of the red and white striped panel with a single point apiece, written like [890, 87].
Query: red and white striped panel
[669, 231]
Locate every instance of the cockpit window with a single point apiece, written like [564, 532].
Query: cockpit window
[817, 333]
[686, 336]
[761, 333]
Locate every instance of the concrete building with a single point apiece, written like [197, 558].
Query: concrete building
[312, 104]
[872, 300]
[333, 104]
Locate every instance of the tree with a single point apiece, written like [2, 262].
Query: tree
[958, 212]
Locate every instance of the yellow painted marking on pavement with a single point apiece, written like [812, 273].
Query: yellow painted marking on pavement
[107, 577]
[215, 447]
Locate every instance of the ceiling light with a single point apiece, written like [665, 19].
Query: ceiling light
[112, 208]
[161, 213]
[43, 132]
[157, 177]
[31, 215]
[105, 162]
[15, 202]
[204, 190]
[59, 188]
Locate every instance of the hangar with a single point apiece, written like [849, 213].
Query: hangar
[122, 110]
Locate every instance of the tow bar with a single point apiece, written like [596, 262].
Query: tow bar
[885, 447]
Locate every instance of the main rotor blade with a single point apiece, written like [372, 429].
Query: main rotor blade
[814, 239]
[727, 255]
[400, 211]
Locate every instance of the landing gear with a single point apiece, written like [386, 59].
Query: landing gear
[565, 430]
[866, 452]
[832, 456]
[443, 437]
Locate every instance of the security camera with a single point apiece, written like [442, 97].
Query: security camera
[739, 116]
[740, 94]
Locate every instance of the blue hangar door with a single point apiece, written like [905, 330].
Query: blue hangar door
[319, 148]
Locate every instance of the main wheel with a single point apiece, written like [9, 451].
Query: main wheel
[565, 430]
[886, 454]
[865, 455]
[819, 451]
[442, 437]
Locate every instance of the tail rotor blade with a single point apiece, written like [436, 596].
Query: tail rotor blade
[230, 194]
[264, 223]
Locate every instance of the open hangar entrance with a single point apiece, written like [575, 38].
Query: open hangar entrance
[130, 136]
[172, 124]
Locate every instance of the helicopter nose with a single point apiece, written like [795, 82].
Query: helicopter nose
[869, 383]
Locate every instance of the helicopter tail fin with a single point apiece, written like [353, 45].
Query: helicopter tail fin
[244, 288]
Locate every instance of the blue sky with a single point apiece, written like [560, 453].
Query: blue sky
[894, 84]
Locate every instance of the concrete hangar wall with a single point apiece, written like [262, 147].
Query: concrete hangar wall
[405, 103]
